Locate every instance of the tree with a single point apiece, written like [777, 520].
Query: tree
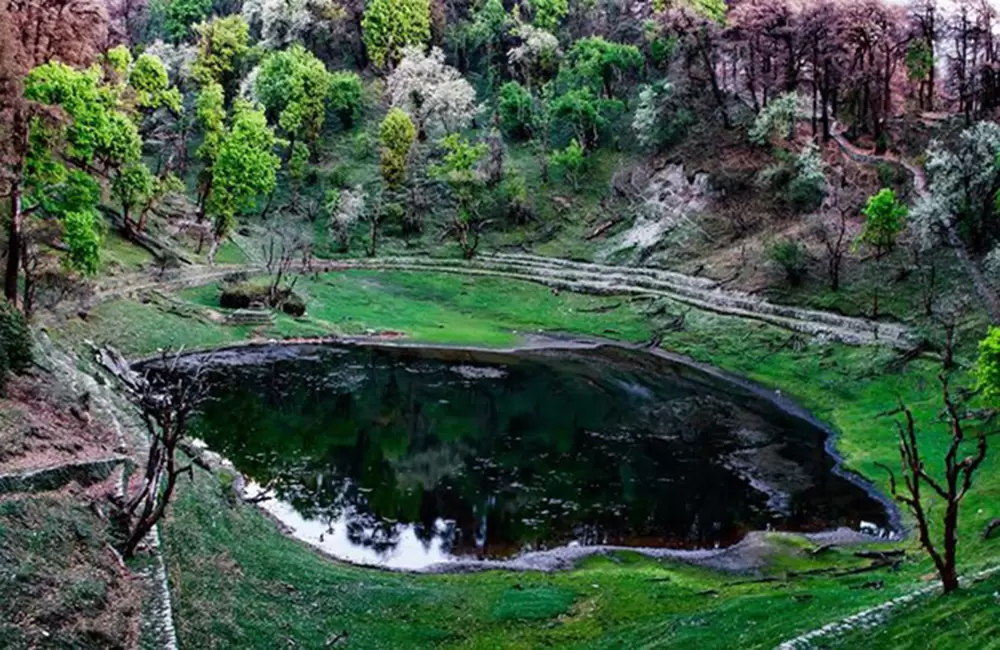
[346, 97]
[571, 160]
[489, 30]
[603, 64]
[537, 56]
[777, 117]
[459, 170]
[244, 168]
[65, 156]
[584, 113]
[150, 84]
[294, 87]
[223, 45]
[389, 26]
[396, 136]
[16, 350]
[808, 187]
[434, 94]
[168, 397]
[958, 474]
[988, 365]
[515, 107]
[345, 209]
[181, 15]
[210, 113]
[885, 218]
[33, 33]
[321, 26]
[548, 13]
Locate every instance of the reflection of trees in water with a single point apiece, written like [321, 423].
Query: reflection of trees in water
[549, 453]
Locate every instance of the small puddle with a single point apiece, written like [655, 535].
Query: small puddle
[407, 457]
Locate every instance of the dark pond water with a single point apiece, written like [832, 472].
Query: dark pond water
[407, 457]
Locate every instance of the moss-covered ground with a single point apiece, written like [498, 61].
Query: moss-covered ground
[238, 582]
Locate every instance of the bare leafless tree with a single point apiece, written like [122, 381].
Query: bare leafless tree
[167, 396]
[957, 480]
[285, 245]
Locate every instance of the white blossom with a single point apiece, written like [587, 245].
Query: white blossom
[283, 22]
[434, 94]
[777, 117]
[349, 209]
[538, 50]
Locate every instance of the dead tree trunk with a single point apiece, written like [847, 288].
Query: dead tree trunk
[957, 480]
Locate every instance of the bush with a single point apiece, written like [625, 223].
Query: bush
[243, 295]
[515, 108]
[15, 338]
[294, 305]
[792, 257]
[16, 353]
[346, 97]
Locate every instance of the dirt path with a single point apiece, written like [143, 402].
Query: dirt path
[989, 296]
[584, 277]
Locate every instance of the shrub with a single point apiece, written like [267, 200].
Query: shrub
[515, 108]
[346, 97]
[294, 305]
[807, 189]
[792, 257]
[15, 338]
[16, 353]
[243, 295]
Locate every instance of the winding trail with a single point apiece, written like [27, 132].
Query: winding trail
[582, 277]
[989, 296]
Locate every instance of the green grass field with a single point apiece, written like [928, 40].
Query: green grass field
[238, 582]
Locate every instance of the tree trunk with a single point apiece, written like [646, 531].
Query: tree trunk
[14, 238]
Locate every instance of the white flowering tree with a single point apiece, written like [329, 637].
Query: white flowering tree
[345, 208]
[281, 23]
[434, 94]
[964, 180]
[778, 117]
[537, 55]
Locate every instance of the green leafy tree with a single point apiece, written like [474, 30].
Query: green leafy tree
[151, 85]
[82, 232]
[604, 64]
[548, 14]
[584, 113]
[572, 161]
[490, 27]
[396, 135]
[210, 113]
[223, 46]
[132, 187]
[346, 97]
[459, 170]
[246, 167]
[390, 25]
[92, 136]
[294, 86]
[885, 218]
[181, 15]
[516, 108]
[988, 364]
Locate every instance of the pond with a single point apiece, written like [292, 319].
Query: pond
[406, 457]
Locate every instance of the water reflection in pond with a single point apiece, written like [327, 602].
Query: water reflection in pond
[408, 457]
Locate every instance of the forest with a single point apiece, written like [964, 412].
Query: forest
[804, 194]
